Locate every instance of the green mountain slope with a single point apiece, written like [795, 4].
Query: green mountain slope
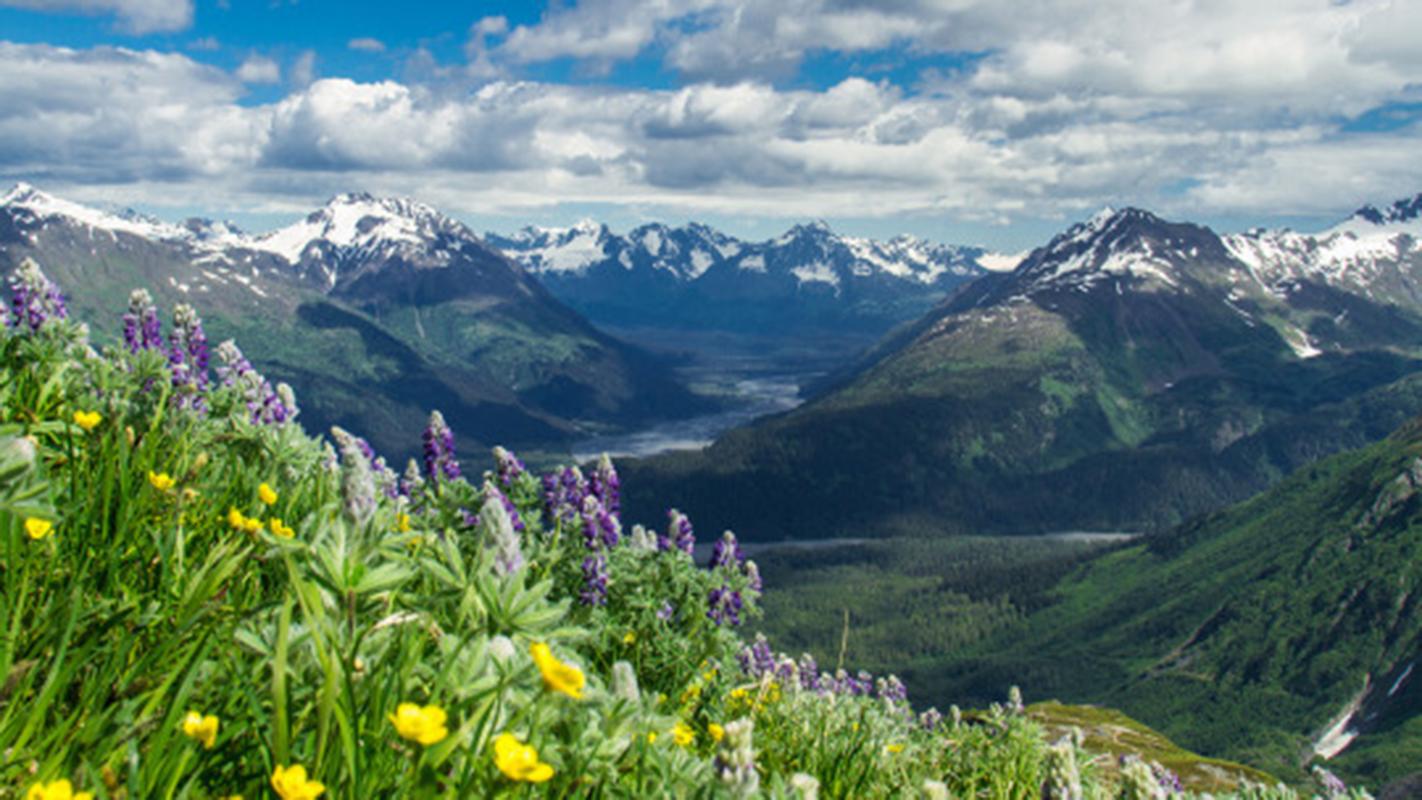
[1254, 631]
[1128, 375]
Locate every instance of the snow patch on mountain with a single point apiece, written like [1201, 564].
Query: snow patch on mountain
[46, 207]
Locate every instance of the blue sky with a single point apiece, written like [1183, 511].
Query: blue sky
[965, 121]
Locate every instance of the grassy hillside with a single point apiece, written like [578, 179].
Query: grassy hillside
[199, 600]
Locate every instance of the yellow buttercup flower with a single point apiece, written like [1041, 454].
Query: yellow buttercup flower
[202, 728]
[893, 748]
[402, 522]
[716, 731]
[519, 761]
[651, 737]
[278, 528]
[291, 783]
[557, 675]
[56, 790]
[161, 481]
[242, 522]
[629, 638]
[683, 734]
[38, 528]
[266, 494]
[88, 420]
[421, 724]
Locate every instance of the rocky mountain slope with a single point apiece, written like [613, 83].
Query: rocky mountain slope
[809, 280]
[1130, 373]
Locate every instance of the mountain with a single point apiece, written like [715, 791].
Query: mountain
[809, 280]
[1130, 373]
[376, 309]
[1279, 630]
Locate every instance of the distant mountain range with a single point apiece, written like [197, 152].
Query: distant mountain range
[1128, 374]
[809, 280]
[378, 310]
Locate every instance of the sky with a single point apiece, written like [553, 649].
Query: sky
[968, 121]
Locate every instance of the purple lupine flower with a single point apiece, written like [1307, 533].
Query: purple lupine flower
[930, 719]
[726, 552]
[594, 591]
[600, 529]
[264, 404]
[666, 612]
[470, 519]
[726, 606]
[357, 485]
[189, 338]
[499, 532]
[809, 672]
[490, 490]
[753, 576]
[565, 497]
[440, 461]
[1170, 782]
[142, 328]
[757, 659]
[605, 485]
[509, 467]
[679, 533]
[34, 298]
[891, 689]
[412, 481]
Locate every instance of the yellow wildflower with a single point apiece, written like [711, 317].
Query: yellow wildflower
[557, 675]
[291, 783]
[278, 528]
[266, 494]
[683, 734]
[161, 481]
[38, 528]
[56, 790]
[894, 748]
[629, 638]
[236, 519]
[421, 724]
[651, 737]
[88, 420]
[402, 522]
[519, 761]
[716, 732]
[202, 728]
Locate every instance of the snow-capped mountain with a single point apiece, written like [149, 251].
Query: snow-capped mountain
[697, 277]
[1375, 253]
[375, 309]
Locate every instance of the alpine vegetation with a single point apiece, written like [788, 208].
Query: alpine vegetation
[200, 600]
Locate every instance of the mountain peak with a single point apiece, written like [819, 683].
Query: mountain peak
[359, 220]
[1405, 210]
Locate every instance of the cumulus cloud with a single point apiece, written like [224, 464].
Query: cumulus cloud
[1056, 113]
[258, 69]
[135, 16]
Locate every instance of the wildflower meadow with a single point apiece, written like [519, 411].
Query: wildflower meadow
[200, 599]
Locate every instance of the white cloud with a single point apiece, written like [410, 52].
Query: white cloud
[136, 16]
[366, 44]
[303, 71]
[258, 69]
[965, 147]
